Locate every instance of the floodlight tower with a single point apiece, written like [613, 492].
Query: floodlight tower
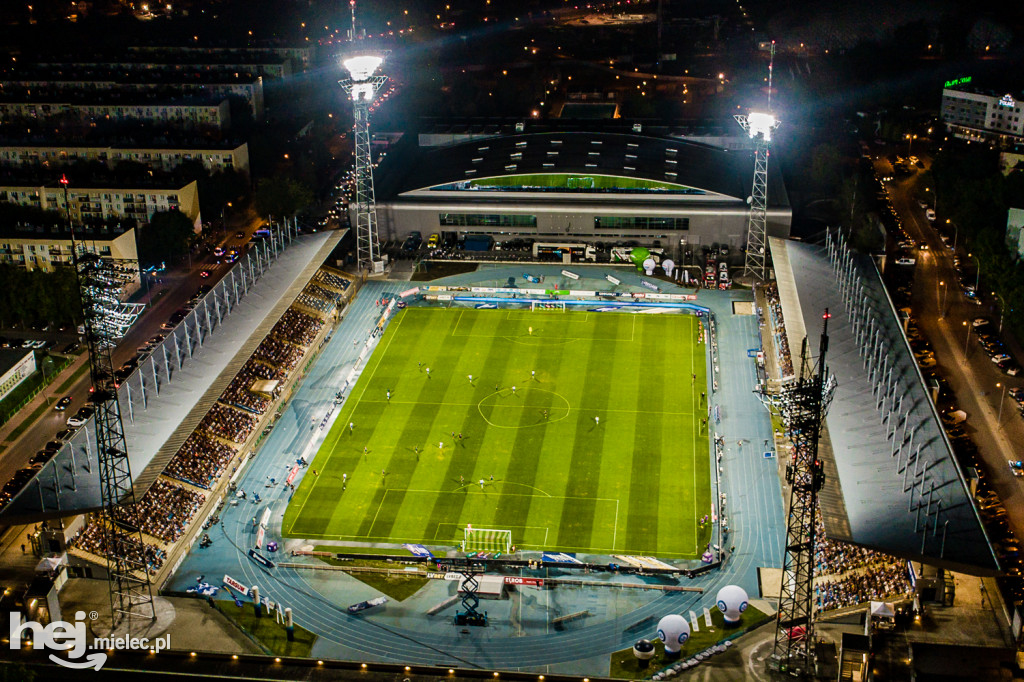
[803, 405]
[99, 282]
[362, 85]
[760, 127]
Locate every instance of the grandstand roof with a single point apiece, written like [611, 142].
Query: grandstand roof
[668, 167]
[870, 498]
[69, 483]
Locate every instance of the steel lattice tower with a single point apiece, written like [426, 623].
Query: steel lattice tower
[803, 406]
[362, 85]
[760, 128]
[131, 594]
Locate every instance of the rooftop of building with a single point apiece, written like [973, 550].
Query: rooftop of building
[168, 97]
[903, 494]
[116, 73]
[9, 357]
[158, 55]
[481, 125]
[135, 137]
[594, 162]
[90, 176]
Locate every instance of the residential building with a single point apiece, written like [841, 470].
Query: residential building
[102, 80]
[301, 57]
[44, 247]
[138, 202]
[214, 157]
[183, 113]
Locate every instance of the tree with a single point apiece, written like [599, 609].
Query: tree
[281, 195]
[165, 238]
[826, 168]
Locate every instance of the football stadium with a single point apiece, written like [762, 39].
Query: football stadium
[559, 457]
[572, 431]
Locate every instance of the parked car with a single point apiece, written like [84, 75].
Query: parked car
[412, 242]
[1010, 367]
[78, 419]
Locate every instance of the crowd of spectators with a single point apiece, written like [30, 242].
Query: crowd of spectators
[297, 328]
[831, 557]
[778, 330]
[882, 581]
[846, 574]
[274, 351]
[92, 539]
[330, 279]
[229, 423]
[238, 394]
[167, 508]
[315, 302]
[200, 460]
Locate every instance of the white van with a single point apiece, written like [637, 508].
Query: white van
[930, 215]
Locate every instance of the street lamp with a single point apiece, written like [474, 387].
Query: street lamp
[910, 141]
[223, 219]
[1002, 310]
[1002, 399]
[942, 307]
[956, 233]
[967, 340]
[977, 275]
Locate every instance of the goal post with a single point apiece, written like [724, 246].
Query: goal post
[486, 540]
[547, 305]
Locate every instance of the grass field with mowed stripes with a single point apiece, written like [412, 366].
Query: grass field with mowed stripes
[599, 448]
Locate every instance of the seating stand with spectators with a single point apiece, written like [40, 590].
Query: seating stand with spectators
[196, 477]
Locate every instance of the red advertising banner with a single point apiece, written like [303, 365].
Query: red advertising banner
[515, 580]
[292, 474]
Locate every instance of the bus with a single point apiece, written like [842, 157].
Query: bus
[565, 253]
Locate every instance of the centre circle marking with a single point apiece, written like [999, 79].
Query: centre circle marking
[523, 395]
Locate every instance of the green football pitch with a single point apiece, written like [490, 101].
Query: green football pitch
[579, 432]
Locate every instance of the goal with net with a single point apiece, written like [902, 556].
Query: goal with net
[486, 540]
[547, 305]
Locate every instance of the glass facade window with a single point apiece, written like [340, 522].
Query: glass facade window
[486, 220]
[641, 223]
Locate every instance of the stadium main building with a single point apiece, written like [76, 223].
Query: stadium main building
[573, 186]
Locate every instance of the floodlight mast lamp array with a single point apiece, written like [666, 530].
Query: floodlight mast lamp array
[362, 85]
[760, 127]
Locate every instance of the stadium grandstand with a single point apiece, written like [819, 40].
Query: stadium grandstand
[190, 380]
[593, 184]
[892, 483]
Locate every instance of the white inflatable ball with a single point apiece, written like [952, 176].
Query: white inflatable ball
[673, 630]
[732, 602]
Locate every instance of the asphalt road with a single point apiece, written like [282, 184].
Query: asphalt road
[973, 378]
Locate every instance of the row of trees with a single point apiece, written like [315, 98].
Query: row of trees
[976, 196]
[33, 297]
